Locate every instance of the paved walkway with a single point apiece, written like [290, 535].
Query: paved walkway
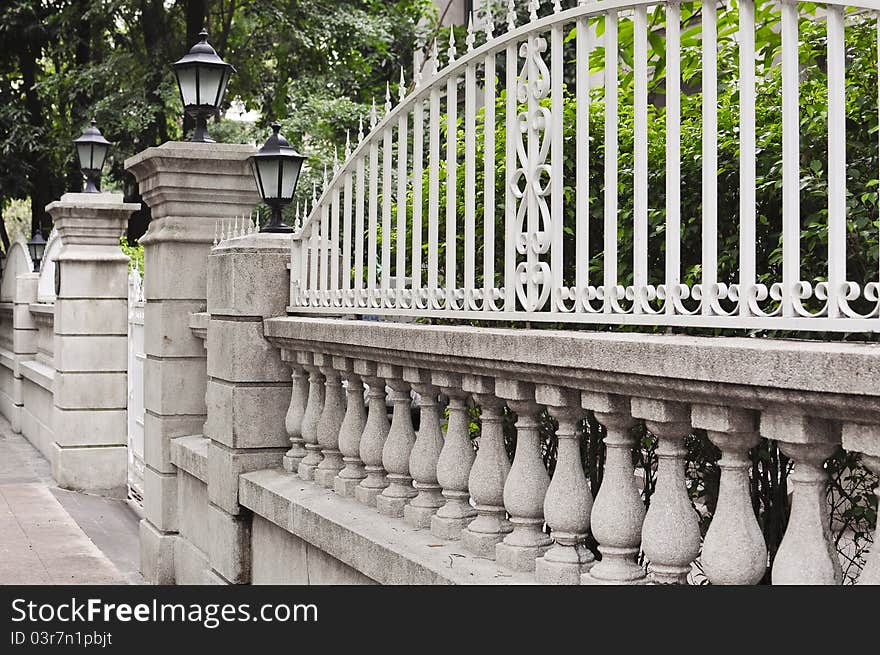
[53, 536]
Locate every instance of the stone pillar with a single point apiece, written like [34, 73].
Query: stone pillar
[248, 389]
[90, 452]
[190, 187]
[24, 338]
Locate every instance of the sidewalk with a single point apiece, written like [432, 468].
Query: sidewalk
[53, 536]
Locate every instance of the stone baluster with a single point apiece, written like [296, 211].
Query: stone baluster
[352, 428]
[806, 554]
[398, 445]
[425, 452]
[293, 421]
[671, 531]
[314, 407]
[618, 511]
[330, 422]
[568, 502]
[488, 474]
[455, 461]
[526, 484]
[865, 439]
[373, 437]
[734, 551]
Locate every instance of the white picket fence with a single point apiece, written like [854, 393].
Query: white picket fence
[411, 258]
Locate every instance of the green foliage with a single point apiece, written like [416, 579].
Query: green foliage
[135, 254]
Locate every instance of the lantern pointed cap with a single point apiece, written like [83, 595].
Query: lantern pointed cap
[276, 144]
[202, 53]
[92, 135]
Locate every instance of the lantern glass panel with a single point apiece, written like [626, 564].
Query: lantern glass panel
[186, 77]
[210, 81]
[84, 150]
[99, 154]
[289, 177]
[256, 171]
[269, 175]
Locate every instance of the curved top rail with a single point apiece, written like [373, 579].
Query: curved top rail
[496, 44]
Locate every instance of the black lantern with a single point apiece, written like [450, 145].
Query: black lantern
[276, 169]
[91, 151]
[37, 246]
[202, 78]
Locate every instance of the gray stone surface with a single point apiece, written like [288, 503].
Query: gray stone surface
[387, 551]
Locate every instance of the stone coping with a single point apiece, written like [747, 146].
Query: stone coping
[833, 379]
[191, 455]
[7, 358]
[189, 150]
[198, 323]
[38, 373]
[43, 308]
[388, 551]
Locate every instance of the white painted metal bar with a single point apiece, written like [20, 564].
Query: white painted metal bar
[556, 128]
[451, 190]
[334, 241]
[583, 48]
[511, 132]
[434, 191]
[609, 236]
[640, 152]
[710, 155]
[373, 220]
[324, 247]
[346, 232]
[387, 202]
[489, 181]
[791, 169]
[402, 184]
[746, 37]
[417, 187]
[470, 175]
[359, 225]
[836, 160]
[314, 240]
[673, 150]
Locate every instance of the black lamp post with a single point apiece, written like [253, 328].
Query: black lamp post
[276, 169]
[202, 78]
[37, 246]
[91, 151]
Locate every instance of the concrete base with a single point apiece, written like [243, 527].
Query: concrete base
[306, 471]
[191, 565]
[157, 554]
[101, 471]
[391, 506]
[481, 544]
[345, 486]
[419, 517]
[448, 528]
[518, 558]
[366, 495]
[291, 464]
[563, 570]
[325, 477]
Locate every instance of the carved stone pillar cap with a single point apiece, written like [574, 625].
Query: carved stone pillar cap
[553, 396]
[798, 428]
[719, 418]
[660, 411]
[91, 218]
[860, 438]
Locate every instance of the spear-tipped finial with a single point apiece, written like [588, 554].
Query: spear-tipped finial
[314, 193]
[401, 89]
[216, 233]
[511, 15]
[387, 96]
[235, 227]
[471, 36]
[417, 74]
[450, 52]
[360, 128]
[534, 5]
[324, 188]
[373, 118]
[434, 57]
[488, 25]
[335, 160]
[557, 6]
[347, 144]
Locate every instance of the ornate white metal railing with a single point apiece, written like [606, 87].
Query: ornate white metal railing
[393, 234]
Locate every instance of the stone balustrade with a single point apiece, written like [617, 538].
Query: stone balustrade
[445, 478]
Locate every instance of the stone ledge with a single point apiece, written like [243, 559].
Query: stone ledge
[831, 379]
[198, 323]
[38, 373]
[386, 550]
[191, 455]
[7, 358]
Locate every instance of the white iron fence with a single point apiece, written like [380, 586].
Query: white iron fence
[136, 359]
[482, 194]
